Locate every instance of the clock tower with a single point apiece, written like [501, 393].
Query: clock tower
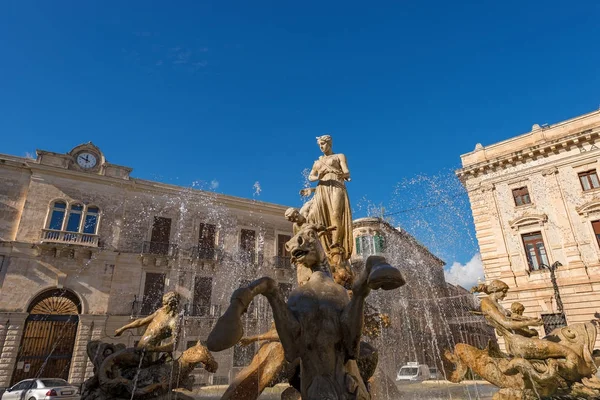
[86, 158]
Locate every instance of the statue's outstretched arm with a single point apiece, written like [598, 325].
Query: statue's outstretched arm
[505, 321]
[270, 335]
[135, 324]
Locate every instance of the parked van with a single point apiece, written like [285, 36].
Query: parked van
[434, 373]
[413, 371]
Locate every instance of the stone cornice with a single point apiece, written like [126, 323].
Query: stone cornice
[145, 186]
[529, 153]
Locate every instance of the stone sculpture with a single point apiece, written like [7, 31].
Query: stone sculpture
[320, 325]
[330, 208]
[560, 364]
[268, 368]
[135, 373]
[162, 324]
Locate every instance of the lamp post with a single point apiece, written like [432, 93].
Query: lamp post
[552, 268]
[557, 320]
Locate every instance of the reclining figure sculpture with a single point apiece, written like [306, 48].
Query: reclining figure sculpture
[563, 363]
[320, 325]
[133, 373]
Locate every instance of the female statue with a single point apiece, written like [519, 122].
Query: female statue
[523, 346]
[330, 204]
[561, 363]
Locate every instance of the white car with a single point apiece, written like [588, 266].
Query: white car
[413, 371]
[42, 389]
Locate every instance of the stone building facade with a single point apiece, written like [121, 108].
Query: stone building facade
[535, 200]
[428, 315]
[85, 248]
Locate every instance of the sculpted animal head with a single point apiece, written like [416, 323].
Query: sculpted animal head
[97, 351]
[306, 249]
[579, 337]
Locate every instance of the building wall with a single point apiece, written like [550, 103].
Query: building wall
[427, 315]
[547, 160]
[108, 277]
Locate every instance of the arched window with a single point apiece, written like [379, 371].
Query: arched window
[57, 215]
[91, 220]
[72, 223]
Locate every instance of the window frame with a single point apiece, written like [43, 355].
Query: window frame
[538, 255]
[596, 234]
[251, 254]
[196, 296]
[360, 242]
[516, 195]
[143, 287]
[67, 211]
[587, 175]
[244, 356]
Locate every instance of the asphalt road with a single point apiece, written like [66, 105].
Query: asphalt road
[429, 390]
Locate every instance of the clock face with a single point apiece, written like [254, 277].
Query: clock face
[86, 160]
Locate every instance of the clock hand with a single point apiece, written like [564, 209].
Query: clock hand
[86, 159]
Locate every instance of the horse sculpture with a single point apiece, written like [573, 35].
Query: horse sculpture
[321, 324]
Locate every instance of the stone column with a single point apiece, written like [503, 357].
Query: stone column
[11, 332]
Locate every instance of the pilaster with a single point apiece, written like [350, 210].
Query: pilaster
[90, 327]
[11, 332]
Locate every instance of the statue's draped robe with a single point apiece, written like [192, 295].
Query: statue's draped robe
[331, 194]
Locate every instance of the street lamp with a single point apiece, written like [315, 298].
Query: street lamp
[559, 320]
[552, 268]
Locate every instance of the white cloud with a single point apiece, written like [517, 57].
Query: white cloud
[214, 184]
[465, 275]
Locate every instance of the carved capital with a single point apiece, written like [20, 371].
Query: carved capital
[550, 171]
[487, 187]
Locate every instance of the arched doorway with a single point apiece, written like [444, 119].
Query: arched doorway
[49, 336]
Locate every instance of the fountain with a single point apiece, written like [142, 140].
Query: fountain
[134, 373]
[562, 364]
[326, 341]
[321, 325]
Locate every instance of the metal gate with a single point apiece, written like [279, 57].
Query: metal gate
[49, 337]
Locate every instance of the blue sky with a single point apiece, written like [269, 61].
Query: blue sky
[235, 93]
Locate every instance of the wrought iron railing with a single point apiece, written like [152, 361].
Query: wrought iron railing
[282, 262]
[206, 253]
[553, 321]
[200, 310]
[163, 249]
[56, 236]
[247, 256]
[212, 310]
[136, 308]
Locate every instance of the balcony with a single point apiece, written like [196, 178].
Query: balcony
[161, 249]
[56, 236]
[282, 262]
[206, 253]
[249, 257]
[201, 310]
